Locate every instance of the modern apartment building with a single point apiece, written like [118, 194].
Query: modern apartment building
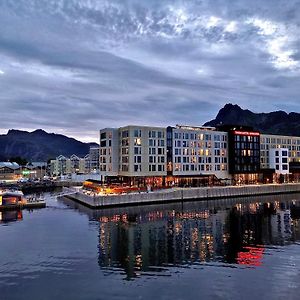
[268, 142]
[136, 153]
[190, 154]
[109, 151]
[197, 151]
[243, 153]
[69, 165]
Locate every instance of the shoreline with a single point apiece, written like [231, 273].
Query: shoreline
[182, 195]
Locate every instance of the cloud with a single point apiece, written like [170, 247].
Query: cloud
[75, 66]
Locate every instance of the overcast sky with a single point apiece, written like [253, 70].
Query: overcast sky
[75, 66]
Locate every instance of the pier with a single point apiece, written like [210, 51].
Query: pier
[181, 194]
[28, 205]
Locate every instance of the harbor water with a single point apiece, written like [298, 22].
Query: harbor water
[243, 248]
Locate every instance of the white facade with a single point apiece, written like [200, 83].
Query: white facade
[199, 151]
[279, 160]
[143, 151]
[268, 142]
[133, 151]
[63, 165]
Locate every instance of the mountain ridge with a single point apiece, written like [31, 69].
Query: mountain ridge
[39, 145]
[275, 122]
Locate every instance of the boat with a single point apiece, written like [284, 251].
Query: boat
[9, 197]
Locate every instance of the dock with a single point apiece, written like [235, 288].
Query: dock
[18, 206]
[181, 194]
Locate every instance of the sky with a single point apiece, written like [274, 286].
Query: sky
[76, 66]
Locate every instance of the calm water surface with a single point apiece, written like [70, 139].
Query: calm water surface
[225, 249]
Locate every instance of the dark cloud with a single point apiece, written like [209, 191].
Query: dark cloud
[74, 66]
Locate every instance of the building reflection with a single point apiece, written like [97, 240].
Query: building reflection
[153, 241]
[10, 216]
[149, 240]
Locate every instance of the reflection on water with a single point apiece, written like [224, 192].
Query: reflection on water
[10, 216]
[153, 239]
[248, 246]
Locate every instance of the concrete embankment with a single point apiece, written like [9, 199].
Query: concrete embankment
[183, 194]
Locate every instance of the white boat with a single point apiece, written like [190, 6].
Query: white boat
[10, 197]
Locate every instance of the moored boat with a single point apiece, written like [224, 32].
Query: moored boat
[8, 197]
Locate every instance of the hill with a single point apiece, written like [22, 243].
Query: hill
[39, 145]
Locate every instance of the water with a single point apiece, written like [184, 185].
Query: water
[226, 249]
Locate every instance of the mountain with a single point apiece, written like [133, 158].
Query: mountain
[277, 122]
[39, 145]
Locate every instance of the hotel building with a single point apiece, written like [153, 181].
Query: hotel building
[195, 155]
[135, 153]
[268, 142]
[243, 153]
[197, 152]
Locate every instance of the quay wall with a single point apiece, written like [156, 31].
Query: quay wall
[183, 194]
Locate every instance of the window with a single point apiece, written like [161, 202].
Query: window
[137, 150]
[152, 143]
[137, 141]
[138, 159]
[137, 133]
[160, 151]
[137, 168]
[125, 134]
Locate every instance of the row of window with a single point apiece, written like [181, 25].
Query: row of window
[268, 147]
[284, 167]
[200, 160]
[199, 168]
[246, 168]
[138, 159]
[201, 136]
[245, 160]
[201, 145]
[266, 153]
[243, 145]
[284, 160]
[247, 138]
[280, 141]
[105, 151]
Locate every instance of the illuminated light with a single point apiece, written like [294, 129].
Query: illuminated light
[251, 258]
[250, 133]
[26, 172]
